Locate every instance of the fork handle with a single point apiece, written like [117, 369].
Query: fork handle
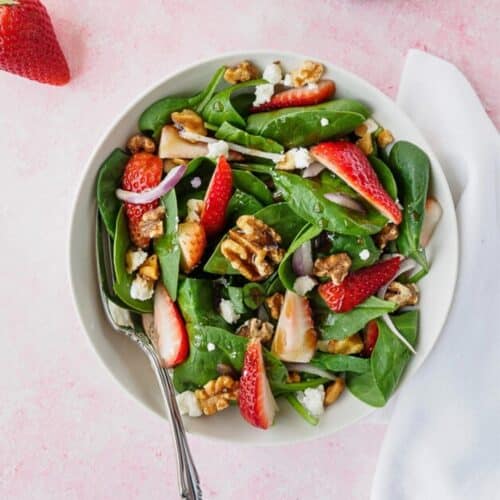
[187, 475]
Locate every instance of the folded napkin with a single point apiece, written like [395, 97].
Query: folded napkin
[443, 441]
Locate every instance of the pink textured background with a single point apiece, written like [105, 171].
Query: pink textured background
[66, 429]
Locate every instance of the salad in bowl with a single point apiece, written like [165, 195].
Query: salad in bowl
[269, 238]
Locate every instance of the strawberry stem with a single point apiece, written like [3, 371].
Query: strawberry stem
[9, 2]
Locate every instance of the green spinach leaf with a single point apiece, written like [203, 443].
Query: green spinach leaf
[353, 245]
[241, 204]
[230, 133]
[340, 362]
[251, 184]
[385, 176]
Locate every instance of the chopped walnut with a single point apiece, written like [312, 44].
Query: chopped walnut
[366, 144]
[151, 223]
[309, 72]
[350, 345]
[150, 269]
[194, 208]
[253, 248]
[390, 232]
[333, 391]
[256, 329]
[242, 72]
[139, 142]
[293, 378]
[274, 304]
[170, 163]
[216, 394]
[401, 294]
[384, 138]
[335, 266]
[189, 121]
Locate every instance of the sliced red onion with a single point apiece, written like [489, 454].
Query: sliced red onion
[169, 181]
[313, 169]
[388, 321]
[223, 369]
[191, 136]
[308, 368]
[346, 201]
[302, 261]
[433, 213]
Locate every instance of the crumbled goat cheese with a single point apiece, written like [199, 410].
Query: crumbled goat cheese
[272, 73]
[210, 347]
[120, 316]
[216, 149]
[312, 86]
[263, 93]
[301, 157]
[371, 125]
[304, 284]
[287, 80]
[135, 260]
[227, 311]
[141, 289]
[364, 254]
[324, 122]
[188, 404]
[312, 400]
[196, 182]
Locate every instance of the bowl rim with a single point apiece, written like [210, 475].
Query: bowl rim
[243, 54]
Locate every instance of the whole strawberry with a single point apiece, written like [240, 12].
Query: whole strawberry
[28, 43]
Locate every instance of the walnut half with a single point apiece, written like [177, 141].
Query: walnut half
[216, 394]
[309, 72]
[335, 266]
[402, 295]
[139, 142]
[256, 329]
[350, 345]
[390, 232]
[253, 248]
[151, 223]
[242, 72]
[274, 304]
[189, 121]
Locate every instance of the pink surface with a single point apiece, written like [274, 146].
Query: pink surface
[66, 429]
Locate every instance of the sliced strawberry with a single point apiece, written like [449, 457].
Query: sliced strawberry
[169, 334]
[302, 96]
[370, 337]
[257, 403]
[295, 338]
[192, 242]
[351, 165]
[213, 216]
[143, 171]
[358, 286]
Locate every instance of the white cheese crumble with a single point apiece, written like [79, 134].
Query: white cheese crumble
[312, 399]
[188, 404]
[301, 157]
[364, 254]
[135, 259]
[210, 347]
[216, 149]
[227, 311]
[120, 316]
[196, 182]
[324, 122]
[272, 73]
[312, 86]
[263, 93]
[371, 125]
[304, 284]
[141, 289]
[287, 80]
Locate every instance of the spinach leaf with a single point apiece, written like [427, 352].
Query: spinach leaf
[108, 180]
[283, 388]
[300, 126]
[230, 133]
[285, 269]
[221, 107]
[240, 204]
[199, 167]
[301, 410]
[279, 216]
[251, 184]
[257, 168]
[235, 295]
[167, 248]
[385, 176]
[353, 245]
[158, 114]
[340, 362]
[273, 284]
[338, 326]
[306, 198]
[411, 167]
[387, 363]
[123, 279]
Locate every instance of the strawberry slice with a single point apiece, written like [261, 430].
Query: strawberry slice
[143, 171]
[192, 242]
[295, 338]
[213, 216]
[302, 96]
[257, 403]
[169, 335]
[358, 286]
[351, 165]
[370, 337]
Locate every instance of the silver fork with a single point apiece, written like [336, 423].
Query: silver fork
[187, 475]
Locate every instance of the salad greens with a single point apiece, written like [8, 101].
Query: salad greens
[230, 133]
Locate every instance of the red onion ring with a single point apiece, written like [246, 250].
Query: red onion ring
[302, 261]
[308, 368]
[313, 169]
[345, 200]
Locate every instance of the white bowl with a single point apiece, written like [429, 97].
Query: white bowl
[127, 363]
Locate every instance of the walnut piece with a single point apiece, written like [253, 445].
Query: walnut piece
[150, 269]
[350, 345]
[255, 328]
[216, 394]
[333, 391]
[293, 378]
[189, 121]
[390, 232]
[401, 294]
[242, 72]
[139, 142]
[335, 266]
[365, 144]
[151, 223]
[274, 304]
[253, 248]
[309, 72]
[170, 163]
[194, 208]
[384, 138]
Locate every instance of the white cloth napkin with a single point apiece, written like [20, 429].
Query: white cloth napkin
[443, 441]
